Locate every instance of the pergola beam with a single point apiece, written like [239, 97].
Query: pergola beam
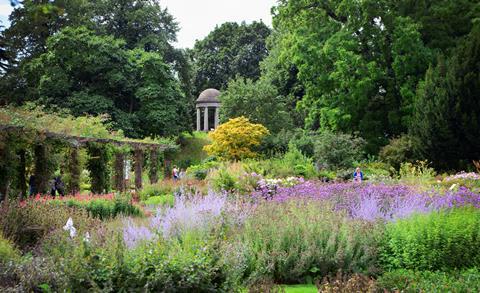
[82, 141]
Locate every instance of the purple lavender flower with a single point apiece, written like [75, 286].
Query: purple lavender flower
[134, 235]
[377, 201]
[198, 213]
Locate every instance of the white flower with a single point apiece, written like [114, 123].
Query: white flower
[69, 227]
[73, 232]
[87, 237]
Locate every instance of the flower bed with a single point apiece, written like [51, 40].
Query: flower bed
[102, 206]
[376, 201]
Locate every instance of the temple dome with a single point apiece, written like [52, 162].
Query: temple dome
[209, 96]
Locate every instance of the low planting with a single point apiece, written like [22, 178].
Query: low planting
[339, 236]
[160, 200]
[443, 240]
[427, 281]
[99, 206]
[298, 241]
[8, 252]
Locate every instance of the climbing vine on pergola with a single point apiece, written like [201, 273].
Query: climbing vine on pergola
[45, 134]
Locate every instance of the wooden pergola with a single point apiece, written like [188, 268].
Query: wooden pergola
[76, 142]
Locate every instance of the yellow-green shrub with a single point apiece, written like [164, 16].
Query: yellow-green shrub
[236, 139]
[8, 251]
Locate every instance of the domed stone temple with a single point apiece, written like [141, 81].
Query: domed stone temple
[208, 99]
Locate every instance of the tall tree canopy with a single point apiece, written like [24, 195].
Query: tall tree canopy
[361, 61]
[447, 108]
[258, 101]
[108, 76]
[93, 74]
[230, 50]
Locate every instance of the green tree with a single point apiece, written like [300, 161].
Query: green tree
[33, 22]
[93, 74]
[338, 150]
[258, 101]
[359, 62]
[447, 108]
[442, 22]
[230, 50]
[140, 24]
[145, 24]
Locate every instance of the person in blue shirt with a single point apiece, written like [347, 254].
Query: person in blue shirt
[357, 175]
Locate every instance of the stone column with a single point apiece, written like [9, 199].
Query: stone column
[199, 128]
[205, 119]
[217, 116]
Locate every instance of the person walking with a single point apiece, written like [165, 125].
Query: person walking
[32, 185]
[175, 173]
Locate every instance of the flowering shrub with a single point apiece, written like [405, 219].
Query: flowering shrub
[290, 242]
[377, 201]
[236, 139]
[198, 214]
[463, 176]
[29, 223]
[267, 188]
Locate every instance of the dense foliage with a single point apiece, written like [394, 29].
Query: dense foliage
[230, 50]
[444, 240]
[236, 139]
[379, 69]
[106, 57]
[257, 101]
[360, 64]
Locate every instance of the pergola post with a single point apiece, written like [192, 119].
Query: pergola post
[41, 168]
[119, 177]
[98, 167]
[153, 174]
[74, 170]
[138, 168]
[22, 180]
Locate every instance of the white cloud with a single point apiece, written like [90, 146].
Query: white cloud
[5, 9]
[198, 18]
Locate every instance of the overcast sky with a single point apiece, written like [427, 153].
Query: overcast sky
[198, 17]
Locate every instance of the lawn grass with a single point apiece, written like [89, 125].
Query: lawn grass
[303, 288]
